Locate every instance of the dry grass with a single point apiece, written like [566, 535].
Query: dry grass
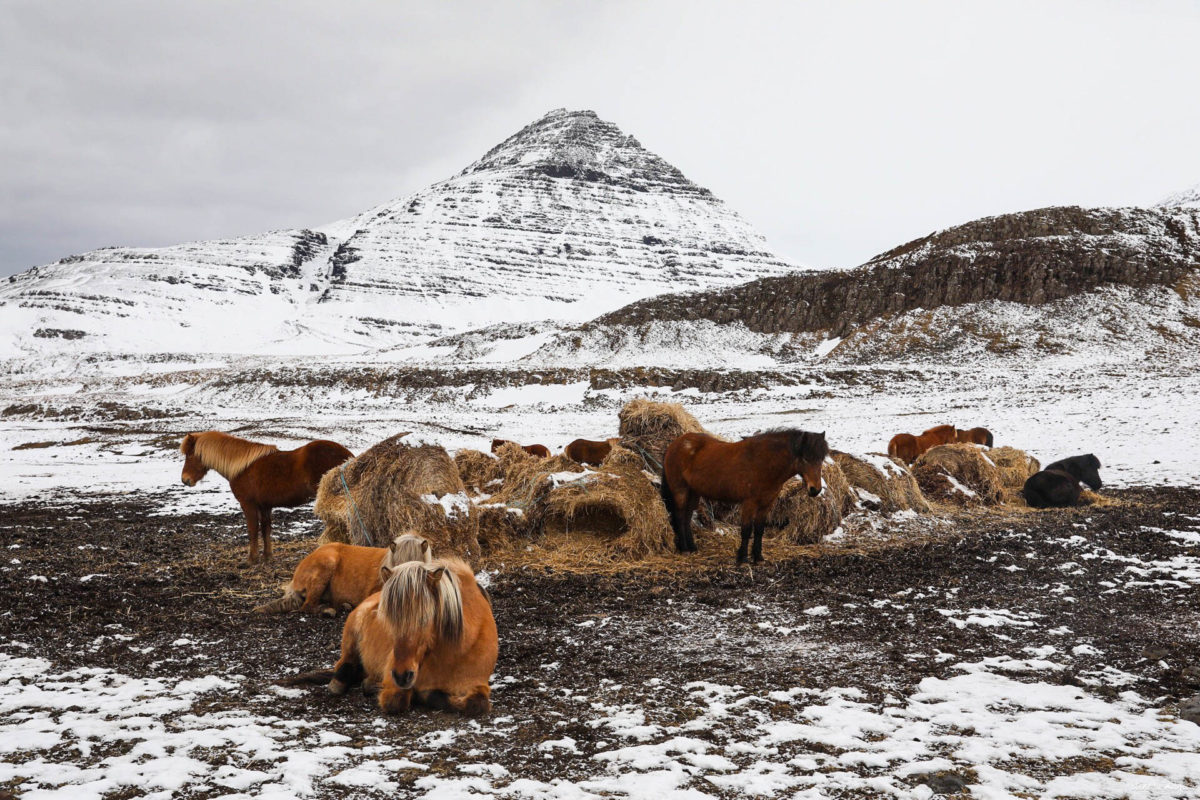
[478, 470]
[386, 484]
[885, 478]
[940, 467]
[799, 519]
[647, 427]
[1015, 466]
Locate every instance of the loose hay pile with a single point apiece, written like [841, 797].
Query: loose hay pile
[799, 519]
[881, 483]
[647, 427]
[394, 489]
[613, 512]
[480, 472]
[1016, 466]
[959, 474]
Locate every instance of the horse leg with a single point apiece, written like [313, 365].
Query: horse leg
[473, 704]
[393, 699]
[749, 512]
[251, 512]
[693, 501]
[759, 525]
[347, 672]
[266, 534]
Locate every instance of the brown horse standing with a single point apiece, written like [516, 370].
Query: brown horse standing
[262, 476]
[908, 448]
[750, 472]
[974, 436]
[539, 450]
[428, 636]
[587, 451]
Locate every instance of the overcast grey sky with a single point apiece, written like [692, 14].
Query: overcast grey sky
[839, 129]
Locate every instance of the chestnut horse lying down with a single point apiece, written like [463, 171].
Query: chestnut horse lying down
[908, 448]
[262, 476]
[750, 472]
[1057, 486]
[974, 436]
[539, 450]
[427, 638]
[587, 451]
[337, 576]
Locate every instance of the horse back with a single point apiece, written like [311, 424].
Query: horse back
[727, 471]
[347, 573]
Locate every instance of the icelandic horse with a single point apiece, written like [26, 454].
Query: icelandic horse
[750, 472]
[262, 476]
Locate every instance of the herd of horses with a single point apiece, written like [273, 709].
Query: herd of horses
[420, 629]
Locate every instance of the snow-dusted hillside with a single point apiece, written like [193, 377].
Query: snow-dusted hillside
[1187, 198]
[566, 219]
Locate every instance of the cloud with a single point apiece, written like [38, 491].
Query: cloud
[838, 129]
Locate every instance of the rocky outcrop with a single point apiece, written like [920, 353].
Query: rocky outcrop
[1032, 257]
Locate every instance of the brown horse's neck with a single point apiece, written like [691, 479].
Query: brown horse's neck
[229, 455]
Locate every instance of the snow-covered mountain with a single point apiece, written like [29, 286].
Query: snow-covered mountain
[566, 219]
[1187, 198]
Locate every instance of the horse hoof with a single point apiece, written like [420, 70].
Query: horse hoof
[336, 687]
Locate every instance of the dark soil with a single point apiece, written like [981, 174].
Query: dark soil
[160, 578]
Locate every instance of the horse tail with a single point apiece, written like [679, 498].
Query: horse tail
[290, 601]
[989, 439]
[316, 677]
[893, 449]
[668, 498]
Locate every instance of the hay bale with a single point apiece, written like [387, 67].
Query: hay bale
[395, 488]
[958, 474]
[797, 518]
[883, 482]
[480, 472]
[647, 427]
[618, 504]
[1016, 466]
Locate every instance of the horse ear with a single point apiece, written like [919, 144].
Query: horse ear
[188, 445]
[425, 548]
[434, 576]
[385, 572]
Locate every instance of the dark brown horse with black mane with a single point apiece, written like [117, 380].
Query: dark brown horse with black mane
[750, 472]
[262, 476]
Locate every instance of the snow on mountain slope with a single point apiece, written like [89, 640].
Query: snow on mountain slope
[1187, 198]
[566, 219]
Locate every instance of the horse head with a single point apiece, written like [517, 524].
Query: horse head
[1091, 472]
[408, 547]
[810, 451]
[422, 605]
[193, 466]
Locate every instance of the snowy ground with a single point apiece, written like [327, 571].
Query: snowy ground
[1010, 661]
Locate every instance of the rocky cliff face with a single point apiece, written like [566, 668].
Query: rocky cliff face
[1032, 258]
[566, 219]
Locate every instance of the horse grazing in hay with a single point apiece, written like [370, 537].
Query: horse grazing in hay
[1057, 486]
[427, 638]
[539, 450]
[262, 476]
[339, 576]
[750, 472]
[587, 451]
[974, 436]
[908, 448]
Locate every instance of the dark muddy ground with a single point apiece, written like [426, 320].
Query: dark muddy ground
[570, 642]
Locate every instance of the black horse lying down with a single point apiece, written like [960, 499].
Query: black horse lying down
[1057, 485]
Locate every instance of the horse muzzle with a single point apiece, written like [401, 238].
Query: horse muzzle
[405, 679]
[813, 491]
[187, 482]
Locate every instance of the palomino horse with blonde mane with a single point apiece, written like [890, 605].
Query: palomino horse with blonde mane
[338, 576]
[262, 476]
[908, 448]
[750, 472]
[427, 638]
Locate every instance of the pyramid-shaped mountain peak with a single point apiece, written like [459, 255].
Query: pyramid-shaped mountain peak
[581, 146]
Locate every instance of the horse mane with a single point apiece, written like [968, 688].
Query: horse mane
[228, 455]
[805, 445]
[409, 606]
